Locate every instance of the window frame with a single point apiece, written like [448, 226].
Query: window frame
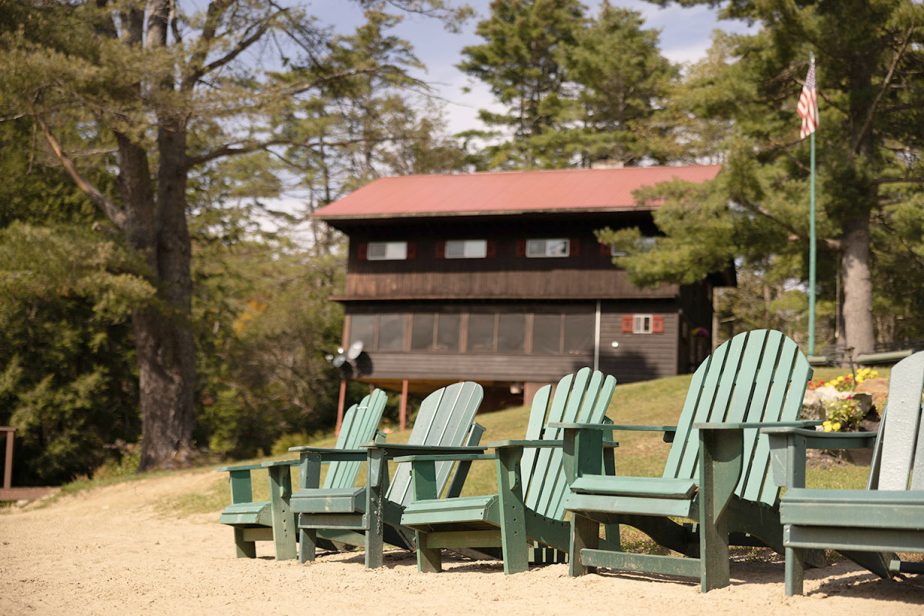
[545, 253]
[386, 256]
[483, 252]
[638, 323]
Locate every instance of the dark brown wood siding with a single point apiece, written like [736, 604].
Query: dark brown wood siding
[506, 284]
[588, 271]
[638, 357]
[476, 367]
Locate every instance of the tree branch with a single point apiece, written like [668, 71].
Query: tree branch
[241, 46]
[908, 180]
[882, 90]
[246, 147]
[113, 212]
[201, 48]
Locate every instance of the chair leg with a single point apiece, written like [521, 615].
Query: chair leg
[514, 542]
[612, 538]
[307, 544]
[585, 533]
[244, 549]
[713, 555]
[795, 571]
[429, 560]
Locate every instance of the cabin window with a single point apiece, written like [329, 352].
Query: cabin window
[539, 248]
[547, 333]
[362, 329]
[386, 251]
[466, 249]
[643, 243]
[447, 332]
[641, 324]
[391, 332]
[422, 332]
[480, 332]
[511, 333]
[579, 333]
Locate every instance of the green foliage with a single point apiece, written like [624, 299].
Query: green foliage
[737, 106]
[844, 414]
[66, 382]
[576, 89]
[620, 79]
[264, 321]
[521, 61]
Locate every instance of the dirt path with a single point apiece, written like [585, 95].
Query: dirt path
[110, 551]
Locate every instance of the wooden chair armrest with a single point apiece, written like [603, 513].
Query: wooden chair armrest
[239, 467]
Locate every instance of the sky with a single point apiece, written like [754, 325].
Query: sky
[685, 36]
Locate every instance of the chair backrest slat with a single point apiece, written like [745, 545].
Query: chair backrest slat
[534, 432]
[445, 419]
[757, 376]
[583, 398]
[359, 425]
[902, 444]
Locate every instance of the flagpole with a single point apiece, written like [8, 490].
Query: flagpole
[811, 314]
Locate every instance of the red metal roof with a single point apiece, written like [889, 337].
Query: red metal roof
[510, 192]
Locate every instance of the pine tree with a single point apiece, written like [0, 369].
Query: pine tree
[522, 62]
[620, 80]
[158, 92]
[869, 59]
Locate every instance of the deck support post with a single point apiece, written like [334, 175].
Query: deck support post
[340, 404]
[8, 459]
[402, 413]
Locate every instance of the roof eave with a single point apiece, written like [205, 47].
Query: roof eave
[570, 210]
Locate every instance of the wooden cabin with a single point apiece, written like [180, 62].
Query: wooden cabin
[498, 278]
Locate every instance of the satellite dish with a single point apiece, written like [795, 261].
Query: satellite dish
[352, 362]
[355, 349]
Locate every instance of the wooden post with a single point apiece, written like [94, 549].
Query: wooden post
[340, 403]
[402, 413]
[8, 459]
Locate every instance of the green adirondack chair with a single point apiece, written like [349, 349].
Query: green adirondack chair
[370, 516]
[715, 475]
[867, 526]
[531, 478]
[272, 520]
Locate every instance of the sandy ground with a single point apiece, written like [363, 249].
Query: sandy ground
[110, 551]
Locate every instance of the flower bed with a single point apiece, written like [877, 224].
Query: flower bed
[837, 402]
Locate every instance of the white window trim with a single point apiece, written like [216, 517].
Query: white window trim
[544, 254]
[394, 251]
[471, 249]
[617, 252]
[638, 324]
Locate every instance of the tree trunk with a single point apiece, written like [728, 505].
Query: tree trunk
[858, 288]
[156, 228]
[166, 348]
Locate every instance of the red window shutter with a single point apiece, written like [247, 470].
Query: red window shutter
[440, 249]
[575, 247]
[605, 250]
[411, 250]
[627, 325]
[657, 324]
[521, 248]
[492, 248]
[361, 249]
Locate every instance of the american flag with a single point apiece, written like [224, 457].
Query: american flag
[808, 104]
